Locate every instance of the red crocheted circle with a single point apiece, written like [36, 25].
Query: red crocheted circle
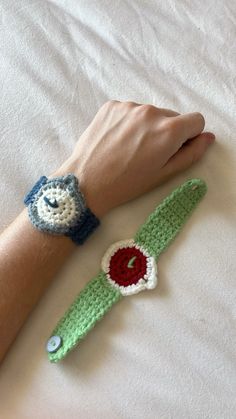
[127, 266]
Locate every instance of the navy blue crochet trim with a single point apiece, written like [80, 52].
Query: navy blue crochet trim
[30, 196]
[85, 226]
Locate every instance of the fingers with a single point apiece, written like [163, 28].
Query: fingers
[184, 127]
[191, 124]
[156, 111]
[190, 153]
[152, 111]
[167, 112]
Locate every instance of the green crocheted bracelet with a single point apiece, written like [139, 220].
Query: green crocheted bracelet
[128, 267]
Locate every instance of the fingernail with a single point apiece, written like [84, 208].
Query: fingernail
[210, 137]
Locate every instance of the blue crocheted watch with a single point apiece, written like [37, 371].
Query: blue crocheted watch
[57, 206]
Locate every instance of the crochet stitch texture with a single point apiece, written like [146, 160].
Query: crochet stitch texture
[93, 302]
[129, 267]
[57, 206]
[154, 236]
[165, 222]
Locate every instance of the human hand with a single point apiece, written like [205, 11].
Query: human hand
[128, 149]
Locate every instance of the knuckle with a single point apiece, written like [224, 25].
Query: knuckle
[130, 104]
[109, 104]
[170, 125]
[146, 110]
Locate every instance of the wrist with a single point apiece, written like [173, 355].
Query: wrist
[93, 200]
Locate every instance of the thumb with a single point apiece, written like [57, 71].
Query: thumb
[187, 155]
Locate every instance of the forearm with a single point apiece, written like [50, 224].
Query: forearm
[29, 260]
[127, 150]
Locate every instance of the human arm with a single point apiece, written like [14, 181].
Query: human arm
[127, 150]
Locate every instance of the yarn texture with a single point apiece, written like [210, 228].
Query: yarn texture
[128, 266]
[86, 224]
[90, 306]
[165, 222]
[57, 206]
[30, 196]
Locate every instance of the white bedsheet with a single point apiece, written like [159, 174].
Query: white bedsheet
[169, 353]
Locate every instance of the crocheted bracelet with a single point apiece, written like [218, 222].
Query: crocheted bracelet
[57, 206]
[128, 267]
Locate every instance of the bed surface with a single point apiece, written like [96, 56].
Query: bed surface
[165, 354]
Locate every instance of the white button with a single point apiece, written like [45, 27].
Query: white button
[54, 343]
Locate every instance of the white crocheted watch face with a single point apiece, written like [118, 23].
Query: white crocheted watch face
[57, 206]
[129, 267]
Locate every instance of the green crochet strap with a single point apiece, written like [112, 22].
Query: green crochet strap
[99, 295]
[167, 219]
[90, 306]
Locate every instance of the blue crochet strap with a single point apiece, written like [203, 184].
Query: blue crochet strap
[30, 195]
[87, 223]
